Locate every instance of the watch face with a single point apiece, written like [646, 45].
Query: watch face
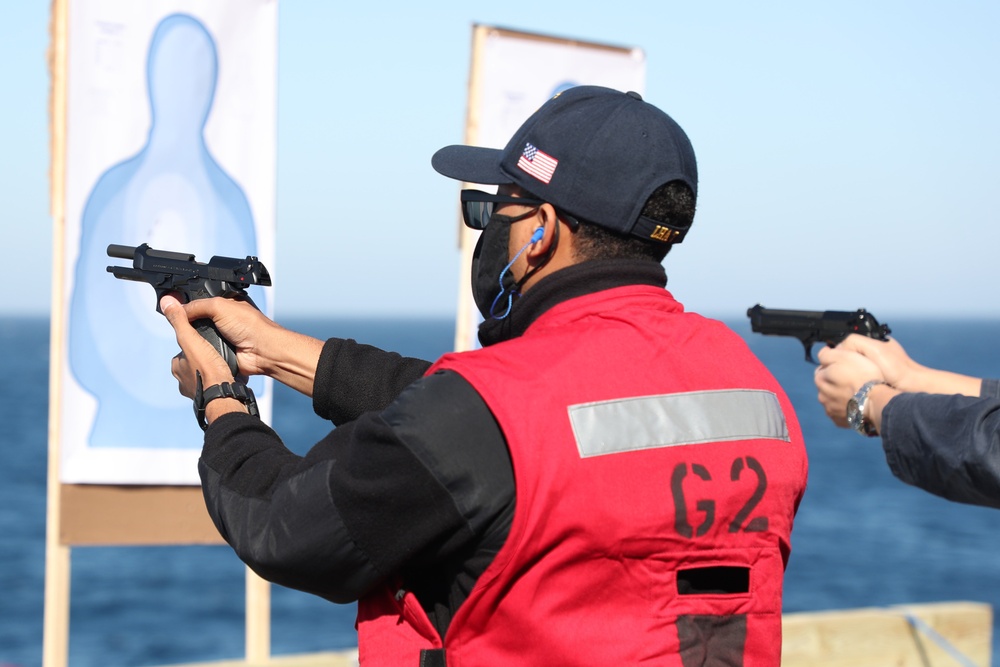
[853, 414]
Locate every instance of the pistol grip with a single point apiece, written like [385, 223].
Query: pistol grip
[208, 331]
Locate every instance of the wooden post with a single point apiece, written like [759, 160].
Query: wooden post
[466, 314]
[55, 630]
[258, 618]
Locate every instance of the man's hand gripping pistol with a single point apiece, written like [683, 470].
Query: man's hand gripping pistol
[178, 272]
[813, 326]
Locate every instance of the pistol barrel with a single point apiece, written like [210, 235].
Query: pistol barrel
[121, 251]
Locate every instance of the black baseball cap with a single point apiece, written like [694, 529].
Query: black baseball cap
[593, 152]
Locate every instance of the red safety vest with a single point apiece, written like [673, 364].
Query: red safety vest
[658, 467]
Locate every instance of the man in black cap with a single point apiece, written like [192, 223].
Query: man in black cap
[608, 480]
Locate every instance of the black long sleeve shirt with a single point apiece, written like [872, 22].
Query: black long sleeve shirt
[414, 484]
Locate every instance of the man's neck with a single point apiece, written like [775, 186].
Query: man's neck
[568, 283]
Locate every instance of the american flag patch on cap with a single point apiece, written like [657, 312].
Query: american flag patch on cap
[538, 164]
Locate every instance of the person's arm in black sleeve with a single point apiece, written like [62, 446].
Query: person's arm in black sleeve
[352, 379]
[263, 499]
[947, 445]
[365, 499]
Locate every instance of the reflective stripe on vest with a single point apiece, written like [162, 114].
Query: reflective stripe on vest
[670, 420]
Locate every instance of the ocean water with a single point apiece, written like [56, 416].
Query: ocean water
[861, 539]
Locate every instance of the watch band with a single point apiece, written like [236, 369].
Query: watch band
[202, 397]
[856, 410]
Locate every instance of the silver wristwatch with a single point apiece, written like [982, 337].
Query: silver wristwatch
[856, 410]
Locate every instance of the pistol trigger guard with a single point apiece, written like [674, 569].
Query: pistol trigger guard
[160, 293]
[809, 352]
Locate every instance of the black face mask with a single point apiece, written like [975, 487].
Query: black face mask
[489, 259]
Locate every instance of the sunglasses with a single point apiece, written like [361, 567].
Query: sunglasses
[478, 207]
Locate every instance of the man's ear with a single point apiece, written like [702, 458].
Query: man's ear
[545, 232]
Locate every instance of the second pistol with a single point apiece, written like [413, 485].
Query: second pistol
[816, 326]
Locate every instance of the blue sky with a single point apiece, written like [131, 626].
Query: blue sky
[848, 152]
